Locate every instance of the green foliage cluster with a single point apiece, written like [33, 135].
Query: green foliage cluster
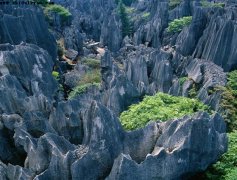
[226, 167]
[146, 15]
[55, 8]
[229, 100]
[126, 24]
[55, 74]
[91, 77]
[205, 3]
[174, 3]
[130, 10]
[80, 89]
[159, 107]
[192, 93]
[182, 80]
[92, 63]
[178, 24]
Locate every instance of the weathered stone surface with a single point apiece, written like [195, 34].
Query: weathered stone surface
[73, 39]
[118, 92]
[71, 54]
[208, 76]
[111, 35]
[175, 154]
[49, 137]
[218, 43]
[188, 38]
[150, 32]
[27, 25]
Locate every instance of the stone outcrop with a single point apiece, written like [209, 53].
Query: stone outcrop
[20, 24]
[218, 43]
[175, 140]
[46, 136]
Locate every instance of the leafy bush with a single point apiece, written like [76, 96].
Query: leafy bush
[205, 3]
[146, 15]
[55, 8]
[130, 10]
[232, 175]
[229, 100]
[192, 93]
[178, 24]
[93, 63]
[159, 107]
[55, 74]
[182, 80]
[91, 77]
[174, 3]
[126, 24]
[226, 167]
[80, 89]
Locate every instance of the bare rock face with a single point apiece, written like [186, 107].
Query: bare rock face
[26, 25]
[151, 31]
[119, 93]
[218, 43]
[188, 38]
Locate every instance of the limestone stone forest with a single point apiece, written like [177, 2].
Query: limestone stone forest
[118, 90]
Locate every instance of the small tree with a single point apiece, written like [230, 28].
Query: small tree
[126, 25]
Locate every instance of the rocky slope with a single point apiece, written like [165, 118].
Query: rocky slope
[44, 135]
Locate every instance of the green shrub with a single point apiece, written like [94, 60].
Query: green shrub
[229, 101]
[55, 8]
[174, 3]
[146, 15]
[192, 93]
[182, 80]
[130, 10]
[126, 24]
[159, 107]
[205, 3]
[55, 74]
[92, 63]
[226, 167]
[178, 24]
[91, 77]
[80, 89]
[232, 175]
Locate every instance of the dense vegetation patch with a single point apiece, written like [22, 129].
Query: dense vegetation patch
[174, 3]
[182, 80]
[178, 24]
[126, 24]
[205, 3]
[80, 89]
[226, 167]
[55, 74]
[159, 107]
[92, 63]
[91, 78]
[55, 8]
[229, 101]
[146, 15]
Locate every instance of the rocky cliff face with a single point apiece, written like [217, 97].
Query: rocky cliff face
[44, 135]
